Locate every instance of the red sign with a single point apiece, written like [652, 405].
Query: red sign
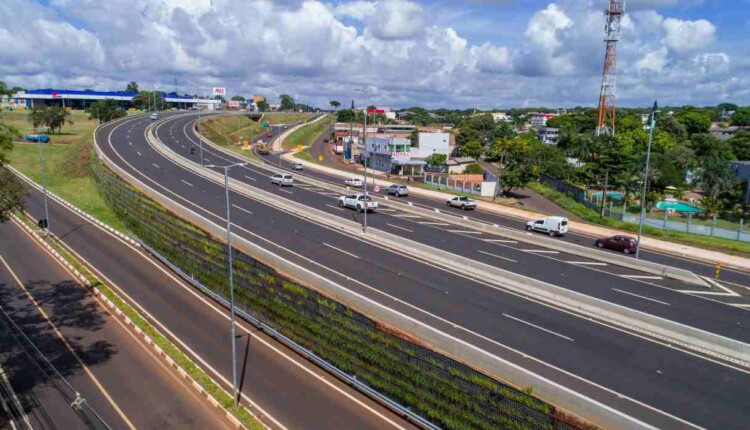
[54, 94]
[375, 111]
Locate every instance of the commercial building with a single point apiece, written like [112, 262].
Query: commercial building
[540, 119]
[80, 99]
[501, 116]
[548, 135]
[391, 154]
[432, 143]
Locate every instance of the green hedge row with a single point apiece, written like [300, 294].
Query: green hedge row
[444, 391]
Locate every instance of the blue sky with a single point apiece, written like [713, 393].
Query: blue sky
[434, 53]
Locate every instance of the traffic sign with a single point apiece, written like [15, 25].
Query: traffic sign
[320, 158]
[377, 188]
[299, 148]
[264, 124]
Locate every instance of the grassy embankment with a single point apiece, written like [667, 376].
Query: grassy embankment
[66, 164]
[591, 216]
[226, 130]
[306, 135]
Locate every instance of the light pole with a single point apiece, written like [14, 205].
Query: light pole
[200, 135]
[231, 274]
[44, 183]
[645, 181]
[364, 139]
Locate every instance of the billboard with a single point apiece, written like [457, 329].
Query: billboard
[234, 103]
[220, 91]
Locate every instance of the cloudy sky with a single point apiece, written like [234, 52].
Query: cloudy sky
[434, 53]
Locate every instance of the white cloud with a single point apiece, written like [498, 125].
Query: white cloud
[396, 20]
[688, 36]
[654, 61]
[544, 26]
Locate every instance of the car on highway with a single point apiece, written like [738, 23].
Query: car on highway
[354, 182]
[623, 244]
[154, 116]
[298, 166]
[552, 225]
[397, 190]
[464, 203]
[282, 179]
[269, 134]
[43, 138]
[358, 202]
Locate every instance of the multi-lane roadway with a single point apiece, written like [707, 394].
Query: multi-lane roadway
[654, 382]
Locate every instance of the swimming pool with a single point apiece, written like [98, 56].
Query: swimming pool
[678, 207]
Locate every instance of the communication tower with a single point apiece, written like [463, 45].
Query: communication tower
[608, 94]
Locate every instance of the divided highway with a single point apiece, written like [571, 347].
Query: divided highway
[281, 388]
[656, 383]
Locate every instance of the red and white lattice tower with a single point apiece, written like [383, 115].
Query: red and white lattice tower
[608, 95]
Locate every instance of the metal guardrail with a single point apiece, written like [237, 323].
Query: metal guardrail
[349, 379]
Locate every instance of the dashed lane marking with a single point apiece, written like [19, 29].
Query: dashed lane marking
[341, 251]
[538, 327]
[188, 183]
[400, 228]
[499, 256]
[640, 296]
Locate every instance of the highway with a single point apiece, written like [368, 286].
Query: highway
[623, 286]
[659, 384]
[281, 388]
[120, 378]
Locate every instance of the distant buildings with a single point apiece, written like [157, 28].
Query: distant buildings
[501, 116]
[548, 135]
[726, 133]
[538, 120]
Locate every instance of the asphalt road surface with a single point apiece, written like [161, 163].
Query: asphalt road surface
[281, 388]
[654, 382]
[125, 384]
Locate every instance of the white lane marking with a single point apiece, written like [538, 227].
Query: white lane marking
[642, 297]
[155, 165]
[186, 182]
[341, 251]
[433, 223]
[437, 210]
[407, 216]
[250, 177]
[130, 143]
[285, 191]
[410, 203]
[740, 305]
[400, 228]
[139, 154]
[538, 327]
[499, 256]
[587, 263]
[640, 277]
[716, 284]
[335, 207]
[465, 217]
[500, 241]
[386, 210]
[540, 251]
[241, 208]
[465, 231]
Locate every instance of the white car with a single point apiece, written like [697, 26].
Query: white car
[154, 116]
[464, 203]
[354, 182]
[298, 166]
[282, 179]
[552, 225]
[358, 202]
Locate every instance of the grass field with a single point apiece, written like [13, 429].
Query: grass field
[591, 216]
[66, 165]
[226, 130]
[306, 135]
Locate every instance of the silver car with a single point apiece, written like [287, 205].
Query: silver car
[282, 179]
[464, 203]
[397, 190]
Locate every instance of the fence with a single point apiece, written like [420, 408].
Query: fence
[445, 182]
[690, 226]
[579, 194]
[442, 390]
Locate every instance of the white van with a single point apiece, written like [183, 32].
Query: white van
[552, 225]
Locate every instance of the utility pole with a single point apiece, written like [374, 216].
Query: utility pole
[604, 193]
[645, 181]
[364, 139]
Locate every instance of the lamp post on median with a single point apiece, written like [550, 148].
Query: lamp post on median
[364, 160]
[231, 273]
[200, 136]
[645, 181]
[44, 184]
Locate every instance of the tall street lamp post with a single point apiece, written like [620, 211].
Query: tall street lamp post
[364, 139]
[200, 135]
[231, 273]
[645, 181]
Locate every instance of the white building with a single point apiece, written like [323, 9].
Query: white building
[432, 143]
[538, 120]
[501, 116]
[549, 135]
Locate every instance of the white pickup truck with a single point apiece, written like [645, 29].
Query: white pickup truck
[358, 202]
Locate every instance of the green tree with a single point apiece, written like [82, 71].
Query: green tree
[12, 191]
[673, 126]
[105, 110]
[695, 121]
[287, 102]
[473, 148]
[263, 106]
[473, 169]
[238, 98]
[740, 143]
[334, 104]
[132, 87]
[741, 117]
[436, 159]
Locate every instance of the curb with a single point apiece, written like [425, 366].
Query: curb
[107, 303]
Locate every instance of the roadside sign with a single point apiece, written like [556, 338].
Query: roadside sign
[377, 188]
[219, 91]
[299, 148]
[264, 124]
[320, 158]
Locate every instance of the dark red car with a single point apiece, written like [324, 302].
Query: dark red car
[269, 135]
[618, 243]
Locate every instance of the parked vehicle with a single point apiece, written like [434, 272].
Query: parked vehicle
[37, 138]
[358, 202]
[397, 190]
[298, 166]
[552, 225]
[354, 182]
[154, 116]
[618, 243]
[464, 203]
[282, 179]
